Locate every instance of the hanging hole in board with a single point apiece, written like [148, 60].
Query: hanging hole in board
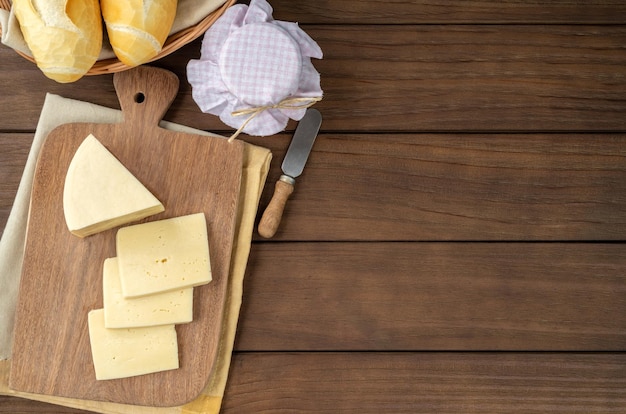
[140, 97]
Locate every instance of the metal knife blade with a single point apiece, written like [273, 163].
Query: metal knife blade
[292, 166]
[302, 143]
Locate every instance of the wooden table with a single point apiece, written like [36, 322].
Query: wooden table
[456, 242]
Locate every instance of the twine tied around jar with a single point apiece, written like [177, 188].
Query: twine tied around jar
[287, 103]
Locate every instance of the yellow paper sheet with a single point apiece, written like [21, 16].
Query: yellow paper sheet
[56, 111]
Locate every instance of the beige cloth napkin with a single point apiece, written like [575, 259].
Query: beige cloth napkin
[56, 111]
[188, 13]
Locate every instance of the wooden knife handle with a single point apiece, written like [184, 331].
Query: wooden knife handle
[274, 211]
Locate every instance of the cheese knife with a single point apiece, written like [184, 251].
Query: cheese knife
[293, 164]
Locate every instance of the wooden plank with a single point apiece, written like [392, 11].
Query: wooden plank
[413, 383]
[15, 148]
[434, 296]
[412, 78]
[473, 78]
[425, 187]
[456, 187]
[449, 12]
[426, 383]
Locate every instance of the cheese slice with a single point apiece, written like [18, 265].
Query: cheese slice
[163, 255]
[122, 353]
[171, 307]
[100, 193]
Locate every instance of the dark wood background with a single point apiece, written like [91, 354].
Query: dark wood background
[455, 243]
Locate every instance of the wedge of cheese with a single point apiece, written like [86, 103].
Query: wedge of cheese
[166, 308]
[100, 193]
[163, 255]
[122, 353]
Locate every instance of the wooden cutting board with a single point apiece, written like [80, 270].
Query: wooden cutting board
[62, 274]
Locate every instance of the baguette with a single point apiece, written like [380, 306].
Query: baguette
[64, 36]
[137, 29]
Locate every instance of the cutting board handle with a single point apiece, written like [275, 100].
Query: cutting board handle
[145, 94]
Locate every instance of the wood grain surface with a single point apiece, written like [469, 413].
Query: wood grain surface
[12, 159]
[417, 78]
[435, 296]
[62, 274]
[457, 187]
[443, 12]
[456, 241]
[427, 383]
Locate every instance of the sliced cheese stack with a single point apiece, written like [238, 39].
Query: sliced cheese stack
[159, 262]
[121, 353]
[100, 193]
[163, 255]
[165, 308]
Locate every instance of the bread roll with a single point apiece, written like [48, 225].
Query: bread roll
[64, 36]
[138, 29]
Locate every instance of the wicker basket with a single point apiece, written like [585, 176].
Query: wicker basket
[173, 42]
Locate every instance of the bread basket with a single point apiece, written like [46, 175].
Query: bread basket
[174, 42]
